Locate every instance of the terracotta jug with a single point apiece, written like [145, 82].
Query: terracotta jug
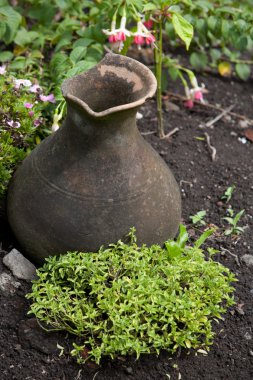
[88, 183]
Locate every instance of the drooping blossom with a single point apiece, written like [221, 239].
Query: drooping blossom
[48, 98]
[35, 88]
[2, 70]
[56, 119]
[28, 105]
[197, 91]
[14, 124]
[189, 103]
[23, 82]
[31, 113]
[112, 33]
[118, 36]
[143, 35]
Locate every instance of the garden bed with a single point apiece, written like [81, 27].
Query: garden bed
[29, 353]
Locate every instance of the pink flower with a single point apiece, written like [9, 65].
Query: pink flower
[113, 38]
[36, 122]
[121, 36]
[2, 70]
[143, 34]
[14, 124]
[150, 39]
[48, 98]
[23, 82]
[149, 24]
[28, 105]
[35, 88]
[189, 103]
[31, 113]
[139, 40]
[198, 95]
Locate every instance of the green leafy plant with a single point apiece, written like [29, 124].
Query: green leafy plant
[198, 218]
[128, 299]
[228, 194]
[233, 220]
[23, 120]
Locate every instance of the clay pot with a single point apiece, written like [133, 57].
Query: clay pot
[96, 177]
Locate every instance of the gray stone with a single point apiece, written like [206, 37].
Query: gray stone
[248, 260]
[8, 285]
[19, 265]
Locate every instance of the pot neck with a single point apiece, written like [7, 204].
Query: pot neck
[112, 126]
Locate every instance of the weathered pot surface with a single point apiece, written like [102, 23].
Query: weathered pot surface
[88, 183]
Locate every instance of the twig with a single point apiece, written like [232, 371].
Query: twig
[175, 130]
[232, 254]
[211, 148]
[182, 181]
[95, 375]
[147, 133]
[217, 118]
[212, 106]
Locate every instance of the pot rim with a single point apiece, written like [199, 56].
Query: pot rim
[151, 80]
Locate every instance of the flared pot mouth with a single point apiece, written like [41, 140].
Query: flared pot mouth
[116, 84]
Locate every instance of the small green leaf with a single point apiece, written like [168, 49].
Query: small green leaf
[6, 56]
[77, 54]
[243, 71]
[182, 28]
[203, 237]
[198, 61]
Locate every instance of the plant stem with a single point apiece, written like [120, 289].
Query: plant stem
[158, 64]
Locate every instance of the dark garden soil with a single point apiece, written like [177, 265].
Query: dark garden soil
[29, 353]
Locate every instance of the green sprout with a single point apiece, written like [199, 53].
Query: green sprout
[198, 218]
[233, 221]
[228, 193]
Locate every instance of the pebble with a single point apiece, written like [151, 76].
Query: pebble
[19, 265]
[129, 370]
[247, 336]
[8, 285]
[248, 260]
[251, 292]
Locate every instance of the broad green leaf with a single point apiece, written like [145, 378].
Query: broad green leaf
[12, 21]
[173, 73]
[84, 42]
[77, 54]
[149, 7]
[243, 71]
[183, 236]
[2, 29]
[6, 56]
[182, 28]
[198, 61]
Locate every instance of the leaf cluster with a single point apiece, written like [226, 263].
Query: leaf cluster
[127, 299]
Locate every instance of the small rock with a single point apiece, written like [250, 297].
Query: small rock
[129, 370]
[251, 352]
[243, 140]
[248, 260]
[8, 285]
[19, 265]
[247, 336]
[139, 116]
[243, 124]
[251, 292]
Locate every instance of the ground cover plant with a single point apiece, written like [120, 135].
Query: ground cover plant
[23, 121]
[127, 299]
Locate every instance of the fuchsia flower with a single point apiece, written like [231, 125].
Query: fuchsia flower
[48, 98]
[31, 113]
[14, 124]
[189, 103]
[149, 24]
[143, 35]
[2, 70]
[28, 105]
